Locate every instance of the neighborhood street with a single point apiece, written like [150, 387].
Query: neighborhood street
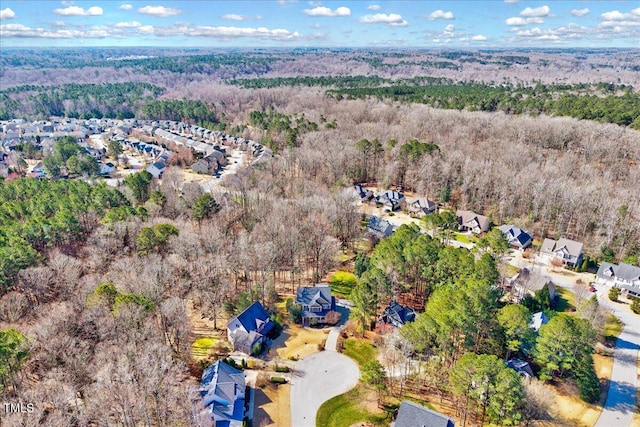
[621, 399]
[319, 377]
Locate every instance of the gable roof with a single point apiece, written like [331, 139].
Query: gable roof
[379, 225]
[413, 415]
[537, 320]
[308, 295]
[515, 235]
[467, 217]
[397, 314]
[572, 247]
[223, 392]
[421, 204]
[520, 366]
[627, 272]
[254, 318]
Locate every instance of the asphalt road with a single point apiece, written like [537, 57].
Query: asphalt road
[316, 379]
[620, 404]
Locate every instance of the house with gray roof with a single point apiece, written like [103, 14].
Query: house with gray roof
[379, 227]
[522, 367]
[421, 206]
[222, 390]
[390, 199]
[397, 314]
[156, 169]
[471, 221]
[250, 328]
[364, 194]
[317, 304]
[623, 276]
[569, 252]
[413, 415]
[517, 237]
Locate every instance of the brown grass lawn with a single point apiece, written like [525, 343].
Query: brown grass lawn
[580, 413]
[298, 342]
[272, 405]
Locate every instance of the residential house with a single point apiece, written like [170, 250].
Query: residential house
[537, 320]
[390, 199]
[421, 206]
[249, 328]
[317, 304]
[107, 168]
[397, 314]
[379, 227]
[223, 394]
[569, 252]
[521, 367]
[157, 169]
[207, 165]
[517, 237]
[413, 415]
[364, 194]
[471, 221]
[622, 276]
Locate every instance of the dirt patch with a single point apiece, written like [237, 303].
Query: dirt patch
[298, 342]
[272, 405]
[201, 332]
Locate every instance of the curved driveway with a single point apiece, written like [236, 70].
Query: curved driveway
[316, 379]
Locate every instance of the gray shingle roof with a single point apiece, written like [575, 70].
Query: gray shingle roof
[413, 415]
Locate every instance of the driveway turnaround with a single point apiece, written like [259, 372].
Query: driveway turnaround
[316, 379]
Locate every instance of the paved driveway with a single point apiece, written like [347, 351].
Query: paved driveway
[316, 379]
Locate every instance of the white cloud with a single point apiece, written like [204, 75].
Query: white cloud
[614, 15]
[325, 11]
[479, 38]
[78, 11]
[22, 31]
[160, 11]
[228, 33]
[7, 14]
[125, 7]
[511, 1]
[440, 14]
[538, 34]
[449, 28]
[373, 7]
[392, 19]
[133, 24]
[580, 12]
[636, 12]
[236, 17]
[517, 21]
[146, 29]
[535, 12]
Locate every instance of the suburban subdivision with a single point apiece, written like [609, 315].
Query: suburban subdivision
[290, 234]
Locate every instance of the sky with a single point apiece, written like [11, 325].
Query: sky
[297, 23]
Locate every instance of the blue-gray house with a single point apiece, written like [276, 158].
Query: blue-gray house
[249, 328]
[223, 394]
[317, 304]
